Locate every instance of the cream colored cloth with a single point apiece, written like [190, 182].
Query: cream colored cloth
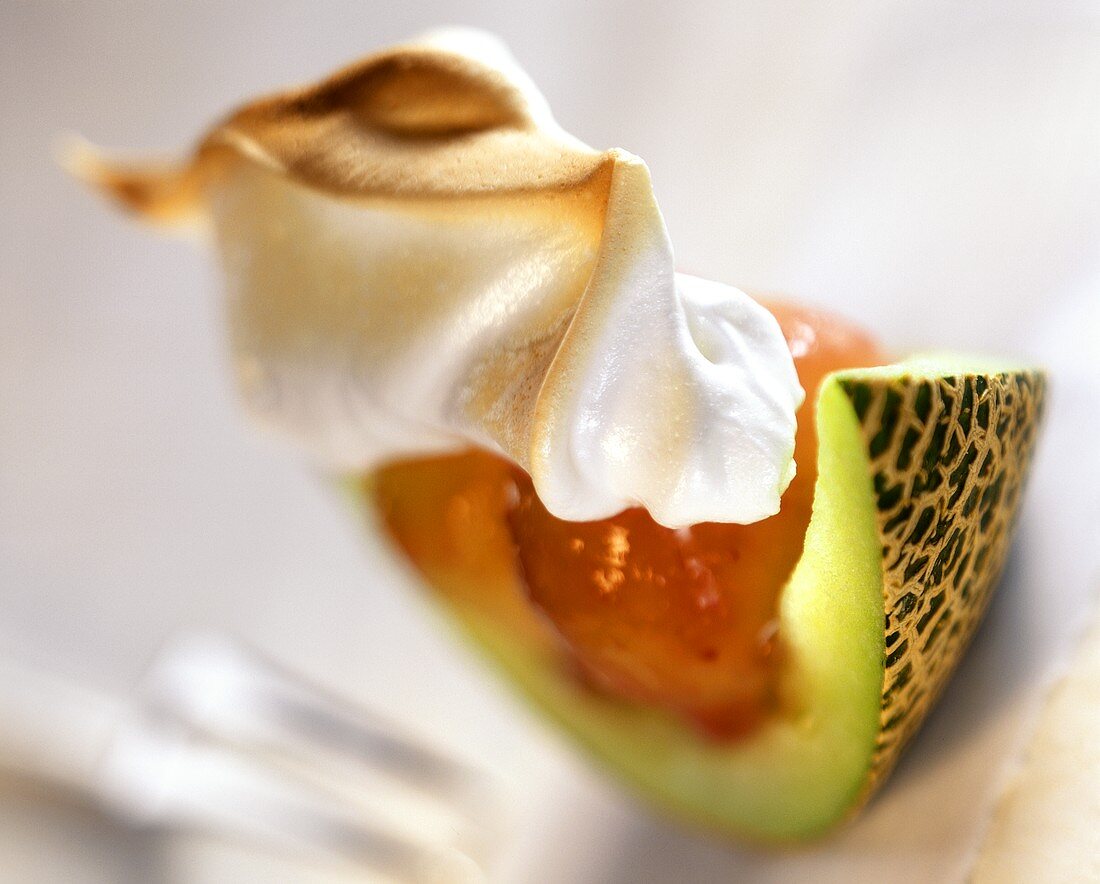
[1047, 828]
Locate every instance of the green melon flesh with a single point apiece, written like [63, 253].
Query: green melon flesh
[803, 772]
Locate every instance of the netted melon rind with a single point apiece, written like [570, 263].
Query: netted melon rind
[948, 458]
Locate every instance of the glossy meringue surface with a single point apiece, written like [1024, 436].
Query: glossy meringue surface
[419, 260]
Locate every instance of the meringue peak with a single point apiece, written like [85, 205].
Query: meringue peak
[419, 259]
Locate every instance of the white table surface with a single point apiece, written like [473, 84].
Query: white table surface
[927, 169]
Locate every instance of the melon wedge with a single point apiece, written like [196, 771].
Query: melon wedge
[921, 465]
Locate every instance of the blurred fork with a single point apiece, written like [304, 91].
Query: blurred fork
[220, 739]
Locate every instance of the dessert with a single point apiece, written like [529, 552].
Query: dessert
[742, 602]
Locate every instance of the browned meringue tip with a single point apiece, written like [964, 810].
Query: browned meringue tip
[417, 254]
[163, 193]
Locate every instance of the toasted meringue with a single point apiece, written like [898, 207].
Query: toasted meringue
[419, 259]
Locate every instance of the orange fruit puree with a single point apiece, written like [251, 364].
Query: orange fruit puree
[683, 619]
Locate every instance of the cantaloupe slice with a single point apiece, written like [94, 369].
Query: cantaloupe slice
[920, 470]
[920, 464]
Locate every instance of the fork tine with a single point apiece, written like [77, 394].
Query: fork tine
[229, 690]
[222, 691]
[162, 779]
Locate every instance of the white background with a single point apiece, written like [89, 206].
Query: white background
[930, 168]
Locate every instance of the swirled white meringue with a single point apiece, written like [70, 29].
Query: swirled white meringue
[419, 260]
